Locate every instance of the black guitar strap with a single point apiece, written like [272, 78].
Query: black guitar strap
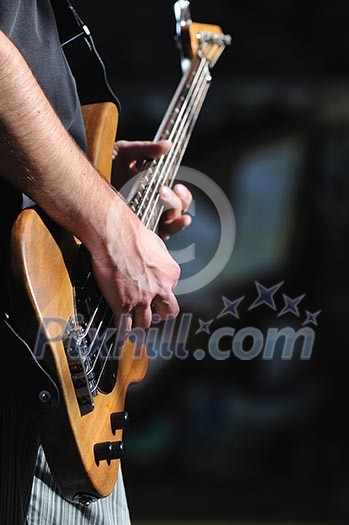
[85, 61]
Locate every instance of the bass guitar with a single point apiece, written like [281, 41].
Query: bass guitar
[58, 309]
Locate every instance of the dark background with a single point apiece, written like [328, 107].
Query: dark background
[254, 439]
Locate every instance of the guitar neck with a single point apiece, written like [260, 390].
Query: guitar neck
[177, 126]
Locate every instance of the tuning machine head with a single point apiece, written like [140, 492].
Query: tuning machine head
[206, 37]
[196, 39]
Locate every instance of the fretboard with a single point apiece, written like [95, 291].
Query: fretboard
[177, 126]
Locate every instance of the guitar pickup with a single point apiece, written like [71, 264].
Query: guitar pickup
[80, 367]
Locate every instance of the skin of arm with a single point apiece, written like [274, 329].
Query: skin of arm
[132, 266]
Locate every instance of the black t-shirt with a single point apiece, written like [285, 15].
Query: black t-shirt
[31, 25]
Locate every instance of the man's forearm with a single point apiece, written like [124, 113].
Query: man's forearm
[39, 157]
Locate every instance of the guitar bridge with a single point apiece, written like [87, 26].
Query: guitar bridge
[80, 366]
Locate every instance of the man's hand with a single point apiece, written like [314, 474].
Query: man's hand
[135, 271]
[176, 201]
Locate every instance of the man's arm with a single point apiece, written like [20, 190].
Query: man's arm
[37, 155]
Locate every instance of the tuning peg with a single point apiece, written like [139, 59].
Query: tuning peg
[211, 38]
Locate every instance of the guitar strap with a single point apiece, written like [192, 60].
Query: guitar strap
[83, 58]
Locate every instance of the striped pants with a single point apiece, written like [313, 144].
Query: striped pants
[47, 507]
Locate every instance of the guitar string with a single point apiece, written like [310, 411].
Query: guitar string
[183, 137]
[168, 163]
[195, 70]
[170, 178]
[189, 117]
[181, 116]
[179, 153]
[103, 340]
[112, 345]
[206, 57]
[195, 80]
[165, 177]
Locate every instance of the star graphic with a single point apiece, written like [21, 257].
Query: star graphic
[311, 318]
[291, 305]
[266, 295]
[204, 327]
[230, 307]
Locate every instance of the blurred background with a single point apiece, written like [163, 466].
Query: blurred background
[229, 440]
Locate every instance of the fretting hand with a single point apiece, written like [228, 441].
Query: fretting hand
[176, 201]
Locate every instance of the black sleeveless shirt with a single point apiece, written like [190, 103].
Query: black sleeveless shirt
[31, 25]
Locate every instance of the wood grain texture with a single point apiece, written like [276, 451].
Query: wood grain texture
[192, 43]
[42, 256]
[101, 122]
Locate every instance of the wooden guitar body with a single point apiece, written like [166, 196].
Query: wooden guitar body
[43, 257]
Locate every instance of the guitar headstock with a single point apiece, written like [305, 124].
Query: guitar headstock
[196, 39]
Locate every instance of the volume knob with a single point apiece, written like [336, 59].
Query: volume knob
[109, 451]
[119, 421]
